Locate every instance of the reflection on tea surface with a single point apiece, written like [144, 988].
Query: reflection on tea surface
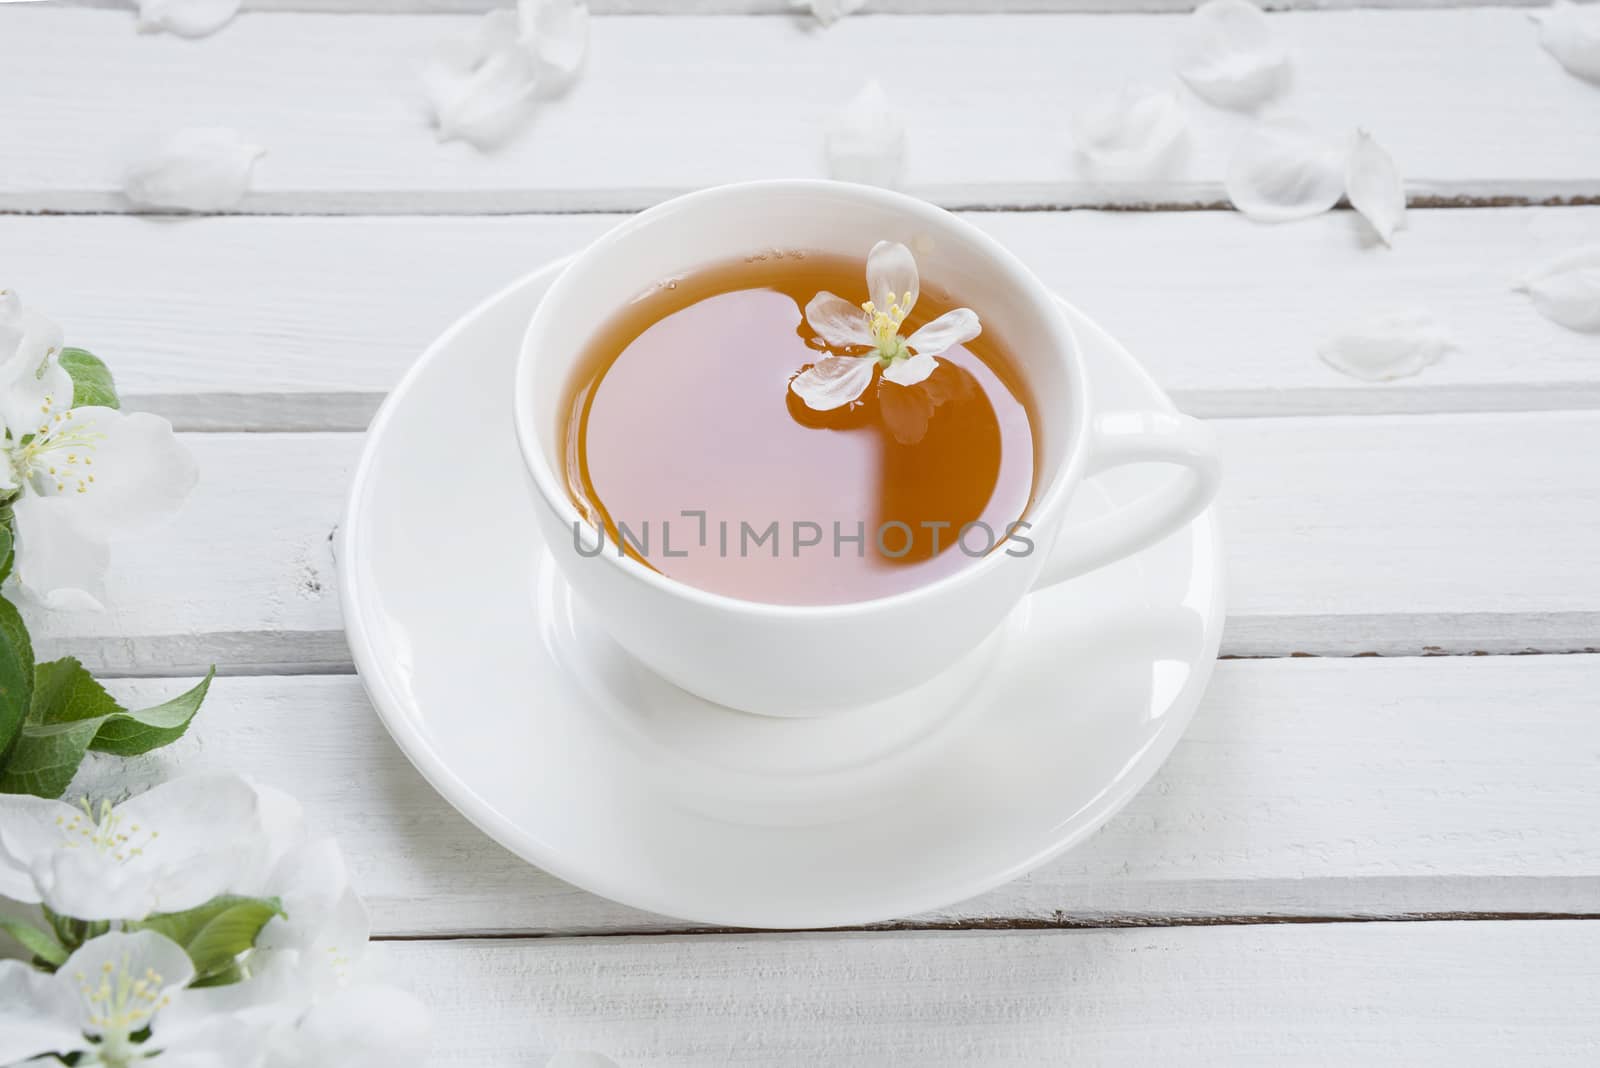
[681, 405]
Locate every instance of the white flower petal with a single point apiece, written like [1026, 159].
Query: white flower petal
[1566, 290]
[1571, 33]
[1134, 131]
[837, 321]
[866, 140]
[834, 381]
[1285, 170]
[120, 956]
[28, 341]
[57, 564]
[955, 327]
[37, 1015]
[186, 18]
[198, 169]
[1374, 186]
[185, 842]
[911, 370]
[558, 33]
[1229, 55]
[210, 832]
[220, 1042]
[142, 473]
[364, 1027]
[481, 88]
[35, 397]
[275, 993]
[1396, 344]
[28, 831]
[325, 925]
[892, 276]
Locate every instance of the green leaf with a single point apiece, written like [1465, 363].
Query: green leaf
[71, 713]
[67, 711]
[216, 933]
[135, 733]
[42, 944]
[16, 676]
[8, 543]
[91, 379]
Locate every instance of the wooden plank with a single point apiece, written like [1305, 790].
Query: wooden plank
[1376, 534]
[320, 316]
[1413, 994]
[1304, 787]
[335, 100]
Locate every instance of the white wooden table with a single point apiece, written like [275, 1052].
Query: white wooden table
[1378, 842]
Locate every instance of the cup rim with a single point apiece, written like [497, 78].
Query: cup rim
[1046, 507]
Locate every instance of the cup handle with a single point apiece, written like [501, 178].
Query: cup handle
[1119, 438]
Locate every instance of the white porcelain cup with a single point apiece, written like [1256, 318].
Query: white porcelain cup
[812, 659]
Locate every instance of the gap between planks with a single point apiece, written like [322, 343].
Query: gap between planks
[388, 205]
[1063, 923]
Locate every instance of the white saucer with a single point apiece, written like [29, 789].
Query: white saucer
[554, 742]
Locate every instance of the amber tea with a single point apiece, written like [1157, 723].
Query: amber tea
[713, 432]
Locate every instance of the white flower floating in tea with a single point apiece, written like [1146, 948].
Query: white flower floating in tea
[892, 286]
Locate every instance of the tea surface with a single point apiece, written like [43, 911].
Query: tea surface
[681, 404]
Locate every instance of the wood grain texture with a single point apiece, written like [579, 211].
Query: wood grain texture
[1353, 787]
[320, 316]
[1413, 994]
[675, 103]
[1374, 534]
[797, 8]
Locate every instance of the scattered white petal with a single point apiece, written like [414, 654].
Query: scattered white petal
[197, 169]
[866, 140]
[1285, 170]
[1374, 186]
[1396, 344]
[1571, 33]
[1134, 131]
[481, 87]
[911, 370]
[828, 12]
[558, 33]
[834, 381]
[186, 18]
[837, 321]
[1566, 290]
[952, 328]
[1229, 55]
